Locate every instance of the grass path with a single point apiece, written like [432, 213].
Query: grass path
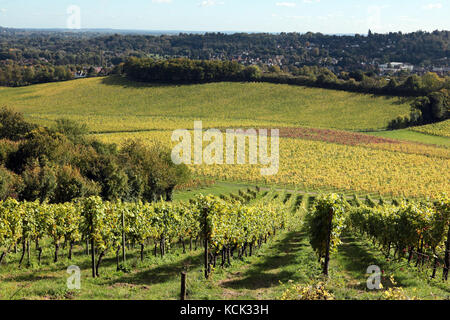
[265, 276]
[414, 136]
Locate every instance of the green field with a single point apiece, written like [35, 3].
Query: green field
[115, 104]
[220, 187]
[415, 136]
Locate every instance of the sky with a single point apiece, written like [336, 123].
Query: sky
[326, 16]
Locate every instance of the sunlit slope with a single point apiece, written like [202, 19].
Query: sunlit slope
[116, 104]
[387, 168]
[437, 129]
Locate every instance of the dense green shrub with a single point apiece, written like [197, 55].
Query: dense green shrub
[39, 183]
[12, 125]
[10, 184]
[70, 184]
[7, 147]
[61, 163]
[188, 71]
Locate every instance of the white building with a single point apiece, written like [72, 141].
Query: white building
[396, 67]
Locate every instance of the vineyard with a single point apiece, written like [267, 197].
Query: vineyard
[228, 230]
[379, 166]
[316, 155]
[347, 195]
[225, 225]
[118, 105]
[437, 129]
[418, 229]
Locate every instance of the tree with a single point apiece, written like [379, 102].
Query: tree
[43, 145]
[39, 183]
[392, 86]
[412, 85]
[10, 184]
[431, 82]
[158, 175]
[274, 69]
[434, 107]
[251, 73]
[439, 106]
[357, 75]
[71, 129]
[13, 125]
[70, 184]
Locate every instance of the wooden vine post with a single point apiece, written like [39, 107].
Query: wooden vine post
[447, 257]
[124, 256]
[183, 286]
[93, 248]
[206, 235]
[328, 244]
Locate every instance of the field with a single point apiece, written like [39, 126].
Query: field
[389, 167]
[311, 159]
[329, 141]
[419, 134]
[115, 104]
[437, 129]
[285, 259]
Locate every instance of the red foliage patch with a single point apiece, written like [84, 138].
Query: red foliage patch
[334, 136]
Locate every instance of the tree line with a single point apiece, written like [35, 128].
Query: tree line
[432, 92]
[96, 48]
[13, 74]
[289, 51]
[188, 71]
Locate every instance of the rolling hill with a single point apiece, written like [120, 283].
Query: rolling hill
[116, 104]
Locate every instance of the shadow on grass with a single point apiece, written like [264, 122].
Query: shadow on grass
[265, 274]
[356, 258]
[29, 277]
[161, 273]
[122, 81]
[396, 100]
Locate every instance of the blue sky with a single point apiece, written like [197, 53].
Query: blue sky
[326, 16]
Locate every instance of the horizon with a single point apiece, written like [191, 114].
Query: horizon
[176, 32]
[229, 16]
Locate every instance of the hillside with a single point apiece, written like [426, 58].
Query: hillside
[320, 152]
[115, 104]
[436, 129]
[310, 159]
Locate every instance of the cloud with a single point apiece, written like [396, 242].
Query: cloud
[162, 1]
[286, 4]
[209, 3]
[2, 10]
[432, 6]
[297, 17]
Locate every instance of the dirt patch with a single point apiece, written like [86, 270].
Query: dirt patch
[129, 286]
[230, 294]
[334, 136]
